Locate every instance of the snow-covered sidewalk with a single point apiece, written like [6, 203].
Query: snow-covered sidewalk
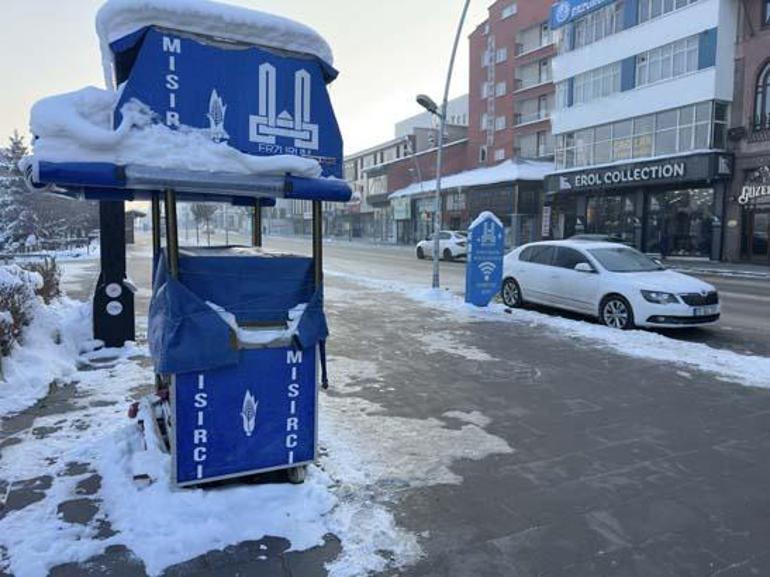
[49, 517]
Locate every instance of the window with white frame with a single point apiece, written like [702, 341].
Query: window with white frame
[533, 38]
[595, 84]
[509, 10]
[500, 89]
[545, 144]
[562, 94]
[482, 154]
[527, 144]
[593, 27]
[533, 74]
[669, 61]
[693, 127]
[499, 154]
[501, 55]
[484, 121]
[485, 92]
[500, 123]
[649, 9]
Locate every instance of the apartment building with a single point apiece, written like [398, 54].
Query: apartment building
[643, 93]
[747, 220]
[511, 90]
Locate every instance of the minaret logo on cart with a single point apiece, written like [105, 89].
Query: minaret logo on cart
[249, 413]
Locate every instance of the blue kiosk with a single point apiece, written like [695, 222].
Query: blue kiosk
[237, 335]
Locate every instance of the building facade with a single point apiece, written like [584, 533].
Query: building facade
[511, 93]
[747, 219]
[457, 115]
[643, 94]
[373, 174]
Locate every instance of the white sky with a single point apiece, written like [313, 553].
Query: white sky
[387, 51]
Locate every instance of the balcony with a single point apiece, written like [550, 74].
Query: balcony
[520, 119]
[532, 80]
[522, 49]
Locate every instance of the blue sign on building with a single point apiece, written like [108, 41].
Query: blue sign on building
[565, 11]
[256, 416]
[484, 271]
[258, 101]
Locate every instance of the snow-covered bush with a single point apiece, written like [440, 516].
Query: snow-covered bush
[50, 273]
[19, 289]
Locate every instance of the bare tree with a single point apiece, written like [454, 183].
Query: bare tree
[203, 212]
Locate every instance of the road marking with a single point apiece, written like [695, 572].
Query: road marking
[744, 296]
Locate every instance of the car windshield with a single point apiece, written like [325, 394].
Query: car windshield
[623, 259]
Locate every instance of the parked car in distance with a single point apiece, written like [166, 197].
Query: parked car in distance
[452, 244]
[598, 238]
[615, 283]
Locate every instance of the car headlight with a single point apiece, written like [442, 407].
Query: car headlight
[660, 297]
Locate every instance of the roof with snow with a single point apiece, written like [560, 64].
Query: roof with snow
[508, 171]
[119, 18]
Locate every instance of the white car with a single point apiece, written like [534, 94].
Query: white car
[452, 244]
[619, 285]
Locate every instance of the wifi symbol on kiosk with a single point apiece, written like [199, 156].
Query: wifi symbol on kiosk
[487, 268]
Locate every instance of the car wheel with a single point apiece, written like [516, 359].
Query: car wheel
[511, 293]
[616, 313]
[448, 254]
[420, 253]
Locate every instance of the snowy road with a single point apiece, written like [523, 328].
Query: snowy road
[458, 442]
[745, 325]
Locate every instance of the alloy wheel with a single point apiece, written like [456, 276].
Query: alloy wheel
[511, 293]
[615, 314]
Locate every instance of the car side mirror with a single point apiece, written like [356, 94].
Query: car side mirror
[584, 267]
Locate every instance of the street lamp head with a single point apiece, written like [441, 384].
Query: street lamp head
[428, 104]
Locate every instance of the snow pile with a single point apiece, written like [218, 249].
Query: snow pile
[119, 18]
[56, 334]
[77, 127]
[508, 171]
[261, 336]
[163, 526]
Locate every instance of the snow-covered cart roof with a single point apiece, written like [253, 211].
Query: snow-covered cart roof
[120, 18]
[186, 115]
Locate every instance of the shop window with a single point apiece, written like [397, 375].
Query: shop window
[680, 222]
[762, 98]
[766, 12]
[612, 215]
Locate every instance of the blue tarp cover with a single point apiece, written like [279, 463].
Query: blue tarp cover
[186, 335]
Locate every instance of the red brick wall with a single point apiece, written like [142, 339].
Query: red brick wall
[403, 173]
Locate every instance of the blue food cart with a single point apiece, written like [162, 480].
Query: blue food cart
[237, 335]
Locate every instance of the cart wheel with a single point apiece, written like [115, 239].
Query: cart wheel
[297, 475]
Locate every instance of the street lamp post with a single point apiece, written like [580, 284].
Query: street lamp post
[429, 105]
